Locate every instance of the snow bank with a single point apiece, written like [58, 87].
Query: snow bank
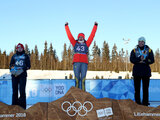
[60, 74]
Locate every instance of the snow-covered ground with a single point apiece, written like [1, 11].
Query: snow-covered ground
[60, 74]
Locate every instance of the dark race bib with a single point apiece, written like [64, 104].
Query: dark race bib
[81, 48]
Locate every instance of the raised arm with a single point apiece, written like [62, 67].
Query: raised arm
[90, 39]
[69, 34]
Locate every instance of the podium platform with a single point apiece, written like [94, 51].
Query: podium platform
[46, 90]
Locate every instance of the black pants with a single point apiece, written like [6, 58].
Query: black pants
[19, 84]
[137, 85]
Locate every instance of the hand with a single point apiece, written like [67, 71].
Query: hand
[12, 67]
[66, 23]
[96, 23]
[146, 60]
[141, 62]
[142, 57]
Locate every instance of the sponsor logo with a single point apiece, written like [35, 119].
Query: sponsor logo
[104, 112]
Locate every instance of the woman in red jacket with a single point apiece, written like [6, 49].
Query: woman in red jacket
[80, 58]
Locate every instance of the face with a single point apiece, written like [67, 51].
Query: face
[20, 49]
[141, 43]
[80, 38]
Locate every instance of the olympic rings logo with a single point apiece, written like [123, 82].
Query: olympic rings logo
[77, 110]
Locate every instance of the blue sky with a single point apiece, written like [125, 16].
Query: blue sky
[33, 22]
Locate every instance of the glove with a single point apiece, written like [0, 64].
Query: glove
[147, 60]
[96, 23]
[16, 71]
[66, 23]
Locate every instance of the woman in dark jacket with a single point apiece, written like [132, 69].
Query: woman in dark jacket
[19, 64]
[142, 56]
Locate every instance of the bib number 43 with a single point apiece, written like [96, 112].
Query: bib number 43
[80, 48]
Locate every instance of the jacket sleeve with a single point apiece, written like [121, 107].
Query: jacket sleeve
[150, 59]
[12, 62]
[70, 36]
[28, 64]
[90, 39]
[133, 58]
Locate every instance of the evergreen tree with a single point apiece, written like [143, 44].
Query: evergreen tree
[105, 56]
[64, 57]
[0, 59]
[70, 58]
[96, 53]
[156, 65]
[52, 57]
[32, 60]
[36, 58]
[4, 60]
[27, 49]
[15, 48]
[9, 57]
[121, 60]
[41, 62]
[114, 58]
[45, 56]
